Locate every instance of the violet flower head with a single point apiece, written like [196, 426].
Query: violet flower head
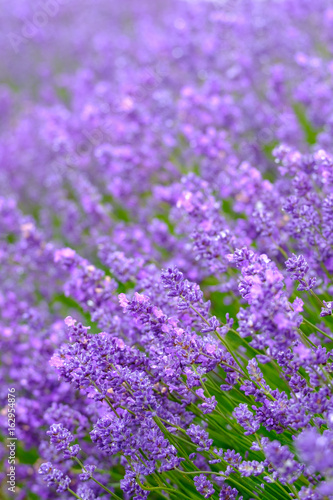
[60, 436]
[87, 472]
[285, 467]
[251, 468]
[139, 193]
[189, 293]
[327, 310]
[54, 477]
[209, 404]
[228, 493]
[316, 450]
[246, 419]
[298, 268]
[203, 486]
[200, 437]
[85, 492]
[232, 458]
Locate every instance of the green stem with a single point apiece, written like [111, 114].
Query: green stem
[153, 488]
[285, 255]
[317, 298]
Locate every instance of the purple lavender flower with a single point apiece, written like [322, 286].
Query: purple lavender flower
[253, 468]
[209, 404]
[174, 281]
[60, 437]
[85, 492]
[157, 159]
[280, 458]
[316, 450]
[204, 486]
[298, 267]
[327, 310]
[54, 477]
[246, 419]
[200, 437]
[228, 493]
[87, 472]
[232, 458]
[308, 493]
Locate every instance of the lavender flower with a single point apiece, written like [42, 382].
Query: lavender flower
[246, 419]
[201, 148]
[316, 450]
[282, 461]
[87, 472]
[54, 477]
[327, 310]
[200, 437]
[298, 268]
[60, 436]
[228, 493]
[253, 468]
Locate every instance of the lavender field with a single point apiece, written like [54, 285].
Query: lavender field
[166, 249]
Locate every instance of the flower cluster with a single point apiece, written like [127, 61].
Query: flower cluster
[166, 249]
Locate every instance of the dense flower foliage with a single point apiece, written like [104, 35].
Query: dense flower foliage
[166, 249]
